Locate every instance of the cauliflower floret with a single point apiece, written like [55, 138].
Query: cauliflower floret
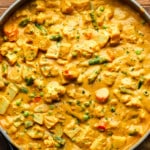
[53, 91]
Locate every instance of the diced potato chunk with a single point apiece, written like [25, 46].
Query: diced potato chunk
[118, 141]
[4, 104]
[11, 91]
[50, 121]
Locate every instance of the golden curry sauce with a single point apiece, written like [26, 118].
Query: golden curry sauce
[75, 75]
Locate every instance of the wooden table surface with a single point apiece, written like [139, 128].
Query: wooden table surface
[4, 4]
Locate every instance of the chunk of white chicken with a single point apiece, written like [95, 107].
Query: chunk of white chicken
[53, 91]
[81, 4]
[102, 38]
[109, 77]
[12, 57]
[50, 121]
[15, 74]
[86, 48]
[72, 129]
[66, 7]
[4, 104]
[53, 51]
[38, 118]
[11, 91]
[98, 142]
[64, 50]
[36, 132]
[135, 130]
[30, 51]
[42, 108]
[86, 137]
[134, 102]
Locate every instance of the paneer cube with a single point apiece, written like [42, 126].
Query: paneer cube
[11, 91]
[4, 104]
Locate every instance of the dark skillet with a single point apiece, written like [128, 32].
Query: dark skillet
[5, 142]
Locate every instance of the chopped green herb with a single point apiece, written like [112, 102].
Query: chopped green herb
[97, 60]
[78, 103]
[133, 133]
[24, 90]
[60, 141]
[112, 109]
[143, 22]
[52, 107]
[87, 104]
[41, 94]
[104, 27]
[24, 22]
[146, 93]
[29, 81]
[57, 38]
[28, 124]
[93, 19]
[40, 27]
[140, 84]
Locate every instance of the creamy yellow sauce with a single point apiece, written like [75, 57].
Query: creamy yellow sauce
[75, 75]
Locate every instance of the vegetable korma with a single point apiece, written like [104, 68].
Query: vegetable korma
[75, 75]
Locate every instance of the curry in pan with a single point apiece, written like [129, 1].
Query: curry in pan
[75, 75]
